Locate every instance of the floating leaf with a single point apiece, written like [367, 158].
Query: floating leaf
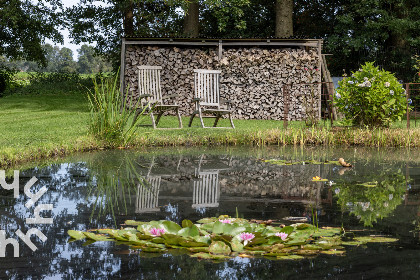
[333, 252]
[187, 223]
[152, 250]
[192, 243]
[237, 246]
[198, 249]
[290, 257]
[288, 230]
[209, 256]
[96, 237]
[219, 248]
[77, 235]
[207, 220]
[171, 227]
[189, 231]
[133, 223]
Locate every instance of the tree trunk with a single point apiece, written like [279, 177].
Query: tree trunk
[191, 20]
[284, 18]
[129, 19]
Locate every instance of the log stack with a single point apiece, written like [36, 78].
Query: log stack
[252, 78]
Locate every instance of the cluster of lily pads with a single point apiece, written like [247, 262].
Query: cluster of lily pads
[225, 237]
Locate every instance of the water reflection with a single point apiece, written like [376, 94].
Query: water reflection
[105, 189]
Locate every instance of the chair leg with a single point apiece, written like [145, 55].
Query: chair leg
[191, 119]
[153, 120]
[231, 121]
[158, 117]
[201, 119]
[216, 120]
[179, 117]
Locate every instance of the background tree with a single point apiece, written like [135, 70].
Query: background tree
[89, 62]
[25, 25]
[284, 18]
[191, 19]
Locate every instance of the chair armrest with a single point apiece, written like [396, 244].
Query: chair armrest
[170, 96]
[145, 95]
[223, 101]
[197, 99]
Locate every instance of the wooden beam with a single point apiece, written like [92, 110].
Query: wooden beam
[122, 66]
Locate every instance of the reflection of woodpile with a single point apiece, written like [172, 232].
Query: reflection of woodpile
[246, 178]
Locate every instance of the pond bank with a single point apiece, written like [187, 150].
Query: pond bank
[344, 137]
[44, 126]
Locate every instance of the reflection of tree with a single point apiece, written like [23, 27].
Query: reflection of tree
[372, 199]
[113, 179]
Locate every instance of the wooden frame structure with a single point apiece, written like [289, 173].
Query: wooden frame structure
[217, 43]
[150, 92]
[207, 97]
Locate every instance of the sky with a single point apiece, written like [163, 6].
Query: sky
[67, 40]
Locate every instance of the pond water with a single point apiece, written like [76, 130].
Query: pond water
[378, 196]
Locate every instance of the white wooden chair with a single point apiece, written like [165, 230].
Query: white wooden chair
[207, 97]
[147, 197]
[206, 191]
[151, 95]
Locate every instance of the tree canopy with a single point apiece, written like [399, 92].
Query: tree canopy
[26, 24]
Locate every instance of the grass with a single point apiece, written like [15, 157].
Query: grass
[37, 126]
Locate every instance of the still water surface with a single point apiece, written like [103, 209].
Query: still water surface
[103, 189]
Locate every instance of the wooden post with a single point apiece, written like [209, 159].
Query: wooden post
[285, 105]
[220, 49]
[407, 94]
[331, 99]
[319, 69]
[122, 67]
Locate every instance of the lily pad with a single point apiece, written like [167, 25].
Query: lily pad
[219, 248]
[133, 223]
[96, 237]
[75, 234]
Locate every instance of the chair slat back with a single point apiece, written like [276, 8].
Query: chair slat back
[149, 82]
[148, 196]
[206, 191]
[207, 86]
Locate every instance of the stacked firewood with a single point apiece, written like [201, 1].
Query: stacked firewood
[253, 78]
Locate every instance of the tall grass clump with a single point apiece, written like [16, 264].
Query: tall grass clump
[113, 115]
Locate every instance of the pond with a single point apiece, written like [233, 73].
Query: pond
[378, 196]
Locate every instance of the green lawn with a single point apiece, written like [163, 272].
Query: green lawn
[43, 125]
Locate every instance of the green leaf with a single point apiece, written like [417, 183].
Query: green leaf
[133, 223]
[187, 223]
[96, 237]
[189, 231]
[171, 227]
[207, 220]
[219, 248]
[78, 235]
[287, 229]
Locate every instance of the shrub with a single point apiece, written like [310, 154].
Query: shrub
[6, 75]
[113, 115]
[371, 97]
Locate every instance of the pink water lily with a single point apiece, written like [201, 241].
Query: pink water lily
[225, 221]
[282, 235]
[246, 237]
[157, 231]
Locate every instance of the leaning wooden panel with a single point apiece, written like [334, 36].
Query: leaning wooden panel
[207, 102]
[151, 95]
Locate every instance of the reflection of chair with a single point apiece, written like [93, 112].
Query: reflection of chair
[148, 193]
[207, 97]
[206, 191]
[150, 90]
